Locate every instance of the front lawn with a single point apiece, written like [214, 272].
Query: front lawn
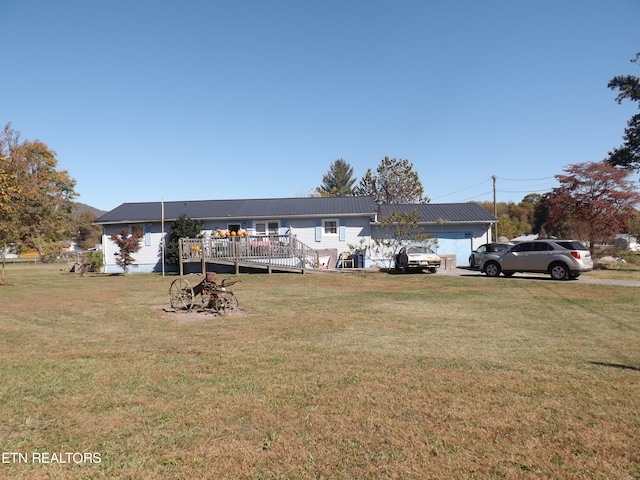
[351, 375]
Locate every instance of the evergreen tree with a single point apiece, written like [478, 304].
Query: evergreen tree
[183, 227]
[628, 154]
[338, 181]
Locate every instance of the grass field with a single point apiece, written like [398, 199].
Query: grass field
[320, 376]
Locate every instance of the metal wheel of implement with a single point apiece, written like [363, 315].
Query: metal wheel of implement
[181, 294]
[225, 303]
[204, 299]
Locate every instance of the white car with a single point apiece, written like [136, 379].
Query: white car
[416, 257]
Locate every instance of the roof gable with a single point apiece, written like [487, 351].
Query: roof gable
[240, 209]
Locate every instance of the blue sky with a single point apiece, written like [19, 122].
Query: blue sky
[205, 99]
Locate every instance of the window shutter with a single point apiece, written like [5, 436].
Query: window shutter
[318, 230]
[147, 239]
[342, 231]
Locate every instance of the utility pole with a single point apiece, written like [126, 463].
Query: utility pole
[495, 210]
[162, 228]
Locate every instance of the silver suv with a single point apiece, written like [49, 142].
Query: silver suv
[562, 259]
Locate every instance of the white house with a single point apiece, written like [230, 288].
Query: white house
[334, 224]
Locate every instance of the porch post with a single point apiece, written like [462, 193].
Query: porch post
[180, 255]
[204, 260]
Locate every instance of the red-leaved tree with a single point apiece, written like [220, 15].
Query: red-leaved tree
[128, 244]
[593, 202]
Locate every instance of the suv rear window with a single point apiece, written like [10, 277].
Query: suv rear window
[572, 245]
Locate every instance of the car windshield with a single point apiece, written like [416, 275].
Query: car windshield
[418, 249]
[572, 245]
[498, 248]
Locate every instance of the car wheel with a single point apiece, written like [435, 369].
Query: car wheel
[433, 270]
[559, 271]
[492, 269]
[402, 262]
[472, 263]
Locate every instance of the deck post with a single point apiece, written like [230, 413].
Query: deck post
[204, 259]
[180, 255]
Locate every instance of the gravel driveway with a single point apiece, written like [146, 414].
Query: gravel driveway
[467, 272]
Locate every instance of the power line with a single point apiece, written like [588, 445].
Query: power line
[499, 190]
[524, 191]
[476, 196]
[462, 190]
[525, 179]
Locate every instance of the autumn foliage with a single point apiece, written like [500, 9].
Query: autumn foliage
[128, 244]
[593, 202]
[36, 199]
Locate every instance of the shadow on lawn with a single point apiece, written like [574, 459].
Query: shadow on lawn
[616, 365]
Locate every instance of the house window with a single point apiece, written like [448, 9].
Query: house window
[233, 227]
[137, 227]
[330, 227]
[267, 228]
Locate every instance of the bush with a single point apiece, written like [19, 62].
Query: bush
[96, 260]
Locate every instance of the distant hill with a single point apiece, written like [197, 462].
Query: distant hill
[81, 208]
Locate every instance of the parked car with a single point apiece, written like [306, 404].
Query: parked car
[562, 259]
[497, 247]
[416, 257]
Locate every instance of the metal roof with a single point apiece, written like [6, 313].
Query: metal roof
[442, 212]
[241, 209]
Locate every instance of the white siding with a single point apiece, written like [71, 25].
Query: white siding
[147, 259]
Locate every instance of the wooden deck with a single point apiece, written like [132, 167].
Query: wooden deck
[273, 253]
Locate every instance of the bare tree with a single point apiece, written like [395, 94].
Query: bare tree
[394, 182]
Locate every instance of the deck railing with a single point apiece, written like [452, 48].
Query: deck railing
[262, 250]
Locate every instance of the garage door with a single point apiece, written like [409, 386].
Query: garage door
[455, 243]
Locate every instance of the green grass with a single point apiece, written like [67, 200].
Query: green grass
[321, 376]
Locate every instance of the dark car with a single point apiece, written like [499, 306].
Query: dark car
[496, 247]
[562, 259]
